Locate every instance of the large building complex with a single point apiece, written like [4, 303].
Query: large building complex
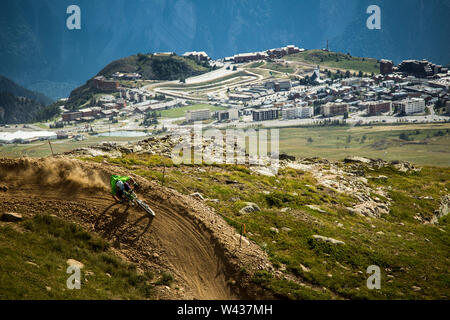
[375, 108]
[276, 53]
[198, 115]
[279, 85]
[102, 83]
[297, 112]
[386, 67]
[411, 106]
[265, 114]
[228, 115]
[197, 55]
[334, 109]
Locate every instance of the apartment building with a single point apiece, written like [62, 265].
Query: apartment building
[334, 109]
[375, 108]
[197, 55]
[101, 83]
[279, 85]
[410, 106]
[198, 115]
[231, 114]
[289, 113]
[265, 114]
[297, 112]
[305, 112]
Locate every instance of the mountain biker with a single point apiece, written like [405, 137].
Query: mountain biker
[120, 187]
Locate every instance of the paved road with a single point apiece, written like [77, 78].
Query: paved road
[213, 75]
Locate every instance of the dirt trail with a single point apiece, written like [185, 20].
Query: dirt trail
[197, 246]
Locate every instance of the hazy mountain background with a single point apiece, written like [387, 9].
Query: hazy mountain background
[20, 105]
[40, 53]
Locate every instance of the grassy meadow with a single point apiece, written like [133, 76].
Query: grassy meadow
[180, 112]
[337, 60]
[420, 144]
[34, 255]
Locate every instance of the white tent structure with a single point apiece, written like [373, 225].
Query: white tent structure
[26, 136]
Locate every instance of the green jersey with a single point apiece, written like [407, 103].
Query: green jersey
[114, 179]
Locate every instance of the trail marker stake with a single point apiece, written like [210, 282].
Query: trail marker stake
[51, 148]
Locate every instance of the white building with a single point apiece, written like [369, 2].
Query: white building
[289, 113]
[233, 114]
[305, 112]
[411, 106]
[198, 115]
[297, 112]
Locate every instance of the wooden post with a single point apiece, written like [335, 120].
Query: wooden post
[51, 148]
[240, 239]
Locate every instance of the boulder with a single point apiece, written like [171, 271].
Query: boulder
[357, 160]
[444, 209]
[274, 230]
[11, 217]
[312, 207]
[285, 156]
[197, 195]
[404, 166]
[73, 262]
[249, 208]
[329, 240]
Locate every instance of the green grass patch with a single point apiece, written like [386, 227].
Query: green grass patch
[337, 60]
[34, 256]
[180, 112]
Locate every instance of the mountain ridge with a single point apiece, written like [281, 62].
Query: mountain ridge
[38, 50]
[19, 105]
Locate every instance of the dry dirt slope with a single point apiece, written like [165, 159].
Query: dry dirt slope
[187, 238]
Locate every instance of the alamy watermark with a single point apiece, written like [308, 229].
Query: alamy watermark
[374, 281]
[374, 21]
[74, 281]
[232, 146]
[73, 22]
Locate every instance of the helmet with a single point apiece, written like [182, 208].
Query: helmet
[120, 185]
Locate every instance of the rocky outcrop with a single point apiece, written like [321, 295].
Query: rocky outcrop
[75, 263]
[404, 166]
[329, 240]
[11, 217]
[198, 196]
[444, 209]
[249, 208]
[357, 160]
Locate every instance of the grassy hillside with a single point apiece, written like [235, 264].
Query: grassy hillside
[7, 85]
[20, 105]
[156, 67]
[15, 109]
[34, 255]
[425, 145]
[413, 256]
[337, 60]
[151, 67]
